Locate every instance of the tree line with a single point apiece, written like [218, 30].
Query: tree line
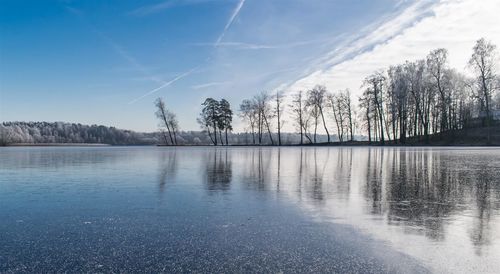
[423, 97]
[59, 132]
[411, 100]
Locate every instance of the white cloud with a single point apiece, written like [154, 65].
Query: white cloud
[211, 84]
[451, 24]
[252, 46]
[158, 7]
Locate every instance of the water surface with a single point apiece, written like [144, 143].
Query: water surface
[129, 209]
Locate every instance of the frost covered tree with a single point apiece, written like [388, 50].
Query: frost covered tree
[248, 113]
[225, 116]
[483, 62]
[298, 113]
[316, 100]
[209, 119]
[278, 111]
[168, 121]
[216, 117]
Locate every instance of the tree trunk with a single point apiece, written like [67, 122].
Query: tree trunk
[227, 143]
[279, 126]
[324, 123]
[210, 135]
[220, 137]
[269, 130]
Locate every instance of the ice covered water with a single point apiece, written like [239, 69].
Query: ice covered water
[290, 209]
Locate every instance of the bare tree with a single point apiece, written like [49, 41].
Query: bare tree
[173, 124]
[248, 112]
[436, 66]
[399, 101]
[483, 62]
[342, 111]
[316, 99]
[278, 110]
[422, 95]
[314, 115]
[375, 84]
[265, 114]
[335, 105]
[167, 120]
[297, 106]
[206, 125]
[307, 117]
[348, 108]
[365, 103]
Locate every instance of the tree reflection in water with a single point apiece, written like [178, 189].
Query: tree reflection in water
[218, 170]
[421, 190]
[168, 168]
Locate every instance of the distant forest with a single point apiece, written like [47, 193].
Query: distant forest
[59, 132]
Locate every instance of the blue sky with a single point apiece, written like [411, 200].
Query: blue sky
[105, 62]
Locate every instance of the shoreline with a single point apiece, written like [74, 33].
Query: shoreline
[256, 146]
[56, 145]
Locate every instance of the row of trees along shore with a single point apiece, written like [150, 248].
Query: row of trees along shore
[411, 100]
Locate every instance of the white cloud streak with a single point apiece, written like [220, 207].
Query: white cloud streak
[166, 84]
[421, 27]
[211, 84]
[251, 46]
[125, 55]
[155, 8]
[118, 49]
[235, 13]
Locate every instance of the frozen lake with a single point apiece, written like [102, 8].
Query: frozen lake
[291, 209]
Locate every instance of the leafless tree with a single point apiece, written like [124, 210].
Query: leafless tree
[297, 106]
[365, 103]
[348, 109]
[278, 111]
[249, 113]
[313, 115]
[375, 84]
[168, 120]
[436, 66]
[483, 61]
[316, 100]
[264, 115]
[335, 103]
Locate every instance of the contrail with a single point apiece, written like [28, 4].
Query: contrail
[115, 46]
[125, 55]
[230, 22]
[166, 84]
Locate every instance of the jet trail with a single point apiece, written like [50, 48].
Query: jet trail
[178, 77]
[230, 21]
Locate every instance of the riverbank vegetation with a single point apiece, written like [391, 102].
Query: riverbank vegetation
[411, 101]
